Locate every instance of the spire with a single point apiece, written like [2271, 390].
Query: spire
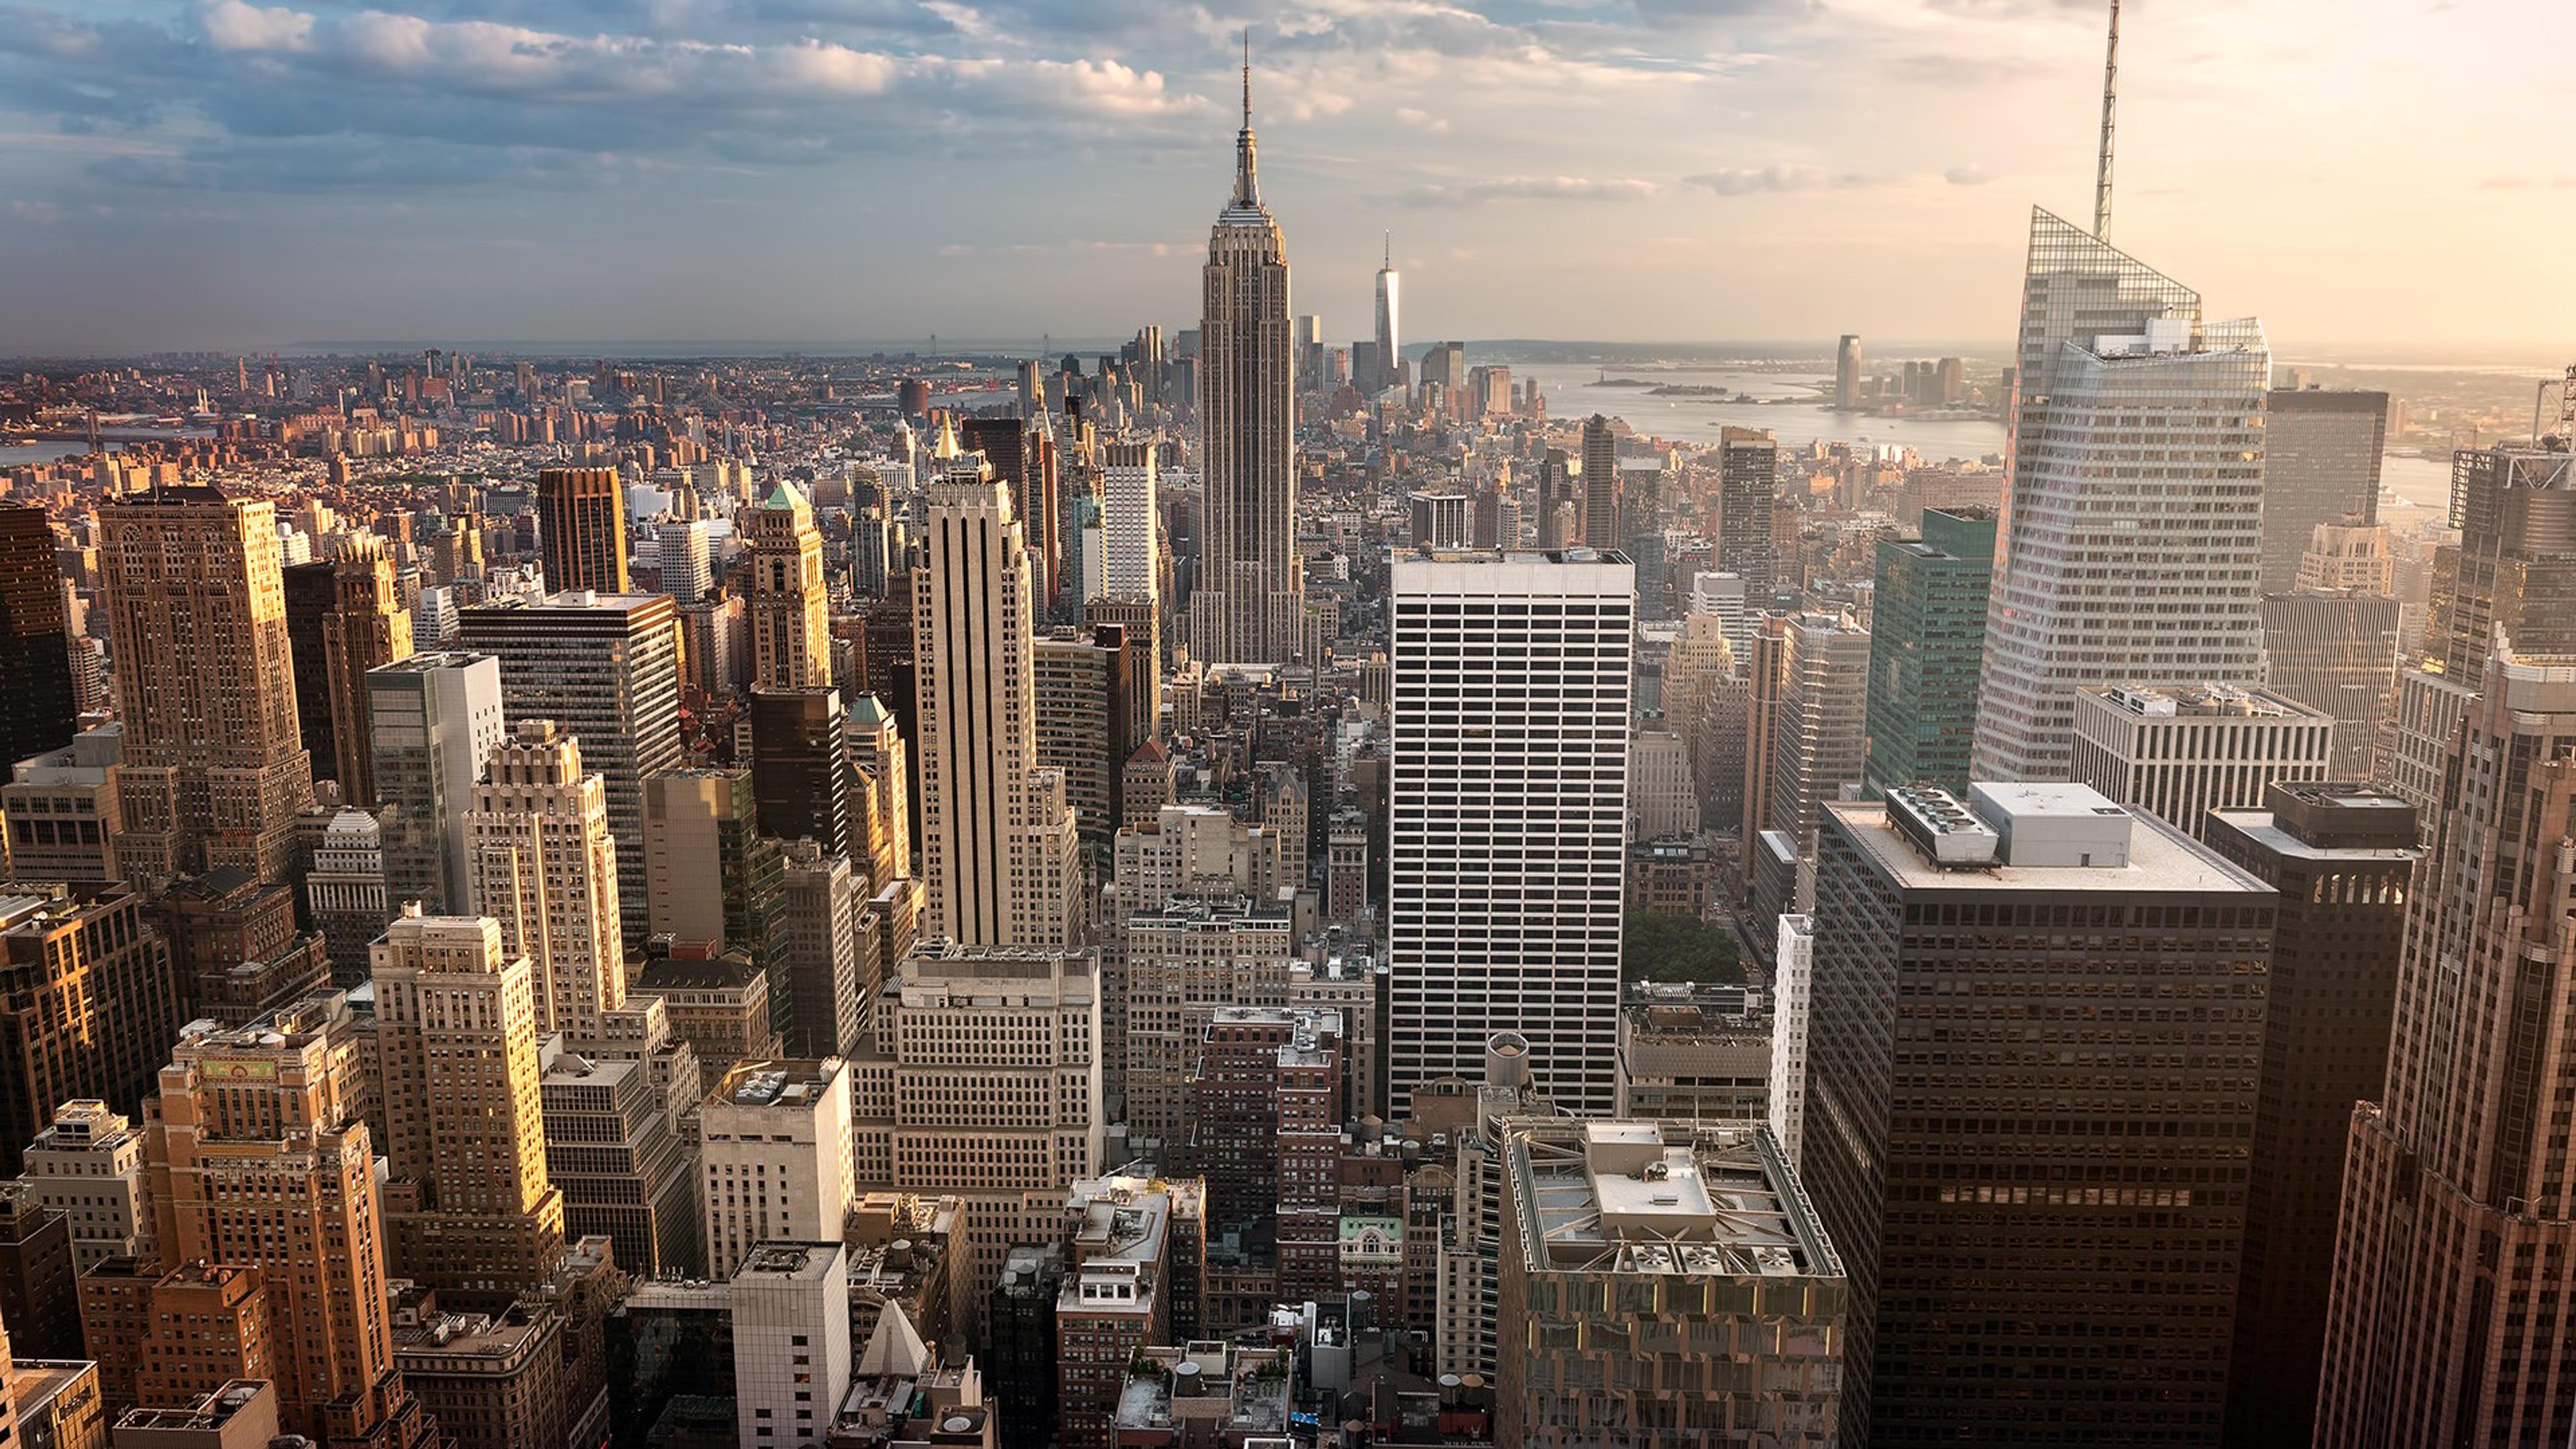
[1247, 189]
[2110, 95]
[1387, 263]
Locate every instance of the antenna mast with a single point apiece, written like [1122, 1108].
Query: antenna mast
[2110, 106]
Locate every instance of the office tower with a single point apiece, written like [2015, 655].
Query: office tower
[1684, 1060]
[368, 628]
[877, 749]
[89, 998]
[1662, 803]
[817, 952]
[1440, 520]
[1793, 982]
[2336, 652]
[1195, 853]
[344, 893]
[1006, 446]
[2320, 466]
[1183, 960]
[687, 563]
[791, 643]
[1927, 634]
[1140, 630]
[2347, 555]
[999, 855]
[1847, 373]
[1820, 739]
[711, 877]
[1600, 484]
[1249, 607]
[581, 521]
[2131, 548]
[435, 718]
[38, 1289]
[258, 1157]
[1557, 517]
[2514, 569]
[1390, 339]
[546, 871]
[312, 590]
[1022, 1025]
[1992, 1203]
[791, 1340]
[1663, 1286]
[714, 1001]
[623, 1170]
[606, 669]
[1346, 896]
[2182, 753]
[1266, 1114]
[492, 1380]
[468, 1210]
[2341, 857]
[2444, 1321]
[1748, 484]
[715, 646]
[800, 766]
[774, 1157]
[37, 705]
[1083, 695]
[88, 1165]
[60, 808]
[1508, 806]
[1130, 524]
[239, 945]
[213, 770]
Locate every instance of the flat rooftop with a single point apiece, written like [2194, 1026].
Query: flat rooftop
[777, 1084]
[2160, 858]
[1641, 1197]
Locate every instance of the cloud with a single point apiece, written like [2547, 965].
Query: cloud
[1779, 176]
[1530, 188]
[1421, 119]
[232, 25]
[1970, 174]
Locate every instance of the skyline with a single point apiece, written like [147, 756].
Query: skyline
[1610, 171]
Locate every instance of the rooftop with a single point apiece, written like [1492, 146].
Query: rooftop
[800, 1262]
[1642, 1197]
[2158, 857]
[778, 1083]
[2198, 701]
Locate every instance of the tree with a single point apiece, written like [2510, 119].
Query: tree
[1664, 947]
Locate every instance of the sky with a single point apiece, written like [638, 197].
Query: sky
[218, 174]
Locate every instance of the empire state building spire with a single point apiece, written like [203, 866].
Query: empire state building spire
[1247, 185]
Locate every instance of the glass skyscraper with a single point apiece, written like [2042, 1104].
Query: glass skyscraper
[1927, 634]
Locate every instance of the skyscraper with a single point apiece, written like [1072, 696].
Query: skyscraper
[2341, 856]
[1847, 372]
[213, 770]
[1130, 523]
[581, 520]
[2514, 568]
[605, 667]
[999, 856]
[1250, 602]
[2180, 753]
[790, 627]
[800, 767]
[2335, 651]
[1390, 340]
[1820, 741]
[545, 868]
[2446, 1320]
[1600, 484]
[1508, 803]
[435, 718]
[1927, 634]
[368, 627]
[258, 1156]
[1748, 484]
[36, 699]
[468, 1210]
[90, 999]
[2131, 550]
[2041, 1220]
[2320, 465]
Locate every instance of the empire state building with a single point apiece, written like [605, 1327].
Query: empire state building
[1249, 607]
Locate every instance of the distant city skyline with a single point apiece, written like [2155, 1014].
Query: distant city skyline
[230, 176]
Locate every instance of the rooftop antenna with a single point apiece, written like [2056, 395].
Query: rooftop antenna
[1247, 77]
[2110, 107]
[1389, 263]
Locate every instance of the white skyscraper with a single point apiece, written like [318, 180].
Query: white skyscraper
[1390, 345]
[545, 867]
[1000, 861]
[1509, 799]
[1130, 532]
[2131, 547]
[774, 1157]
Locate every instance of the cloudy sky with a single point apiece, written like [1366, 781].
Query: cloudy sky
[223, 174]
